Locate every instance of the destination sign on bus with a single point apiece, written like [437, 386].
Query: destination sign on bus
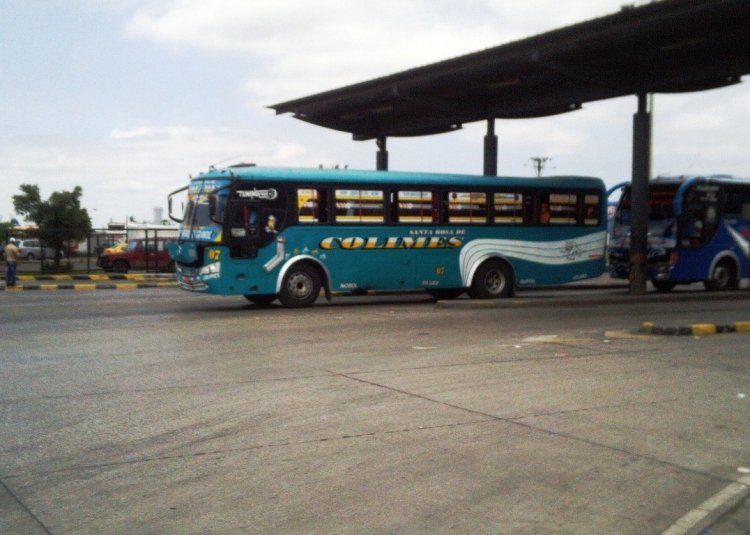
[261, 194]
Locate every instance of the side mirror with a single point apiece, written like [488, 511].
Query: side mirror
[176, 219]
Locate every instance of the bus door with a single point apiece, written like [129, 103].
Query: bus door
[700, 215]
[245, 229]
[698, 224]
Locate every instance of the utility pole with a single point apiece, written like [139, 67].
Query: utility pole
[539, 162]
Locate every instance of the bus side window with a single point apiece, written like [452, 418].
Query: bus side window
[244, 221]
[467, 207]
[312, 205]
[359, 206]
[558, 209]
[415, 207]
[512, 208]
[591, 209]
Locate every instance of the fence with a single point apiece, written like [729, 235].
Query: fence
[140, 250]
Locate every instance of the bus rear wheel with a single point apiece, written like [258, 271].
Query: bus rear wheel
[723, 277]
[301, 286]
[492, 280]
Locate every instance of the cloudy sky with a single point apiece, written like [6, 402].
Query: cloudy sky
[127, 98]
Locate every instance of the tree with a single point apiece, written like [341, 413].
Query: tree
[60, 218]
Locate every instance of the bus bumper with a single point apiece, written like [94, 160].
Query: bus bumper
[198, 279]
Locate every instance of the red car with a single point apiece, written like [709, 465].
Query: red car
[140, 253]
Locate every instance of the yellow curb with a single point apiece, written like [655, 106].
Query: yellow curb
[62, 277]
[48, 287]
[703, 328]
[126, 286]
[742, 326]
[84, 286]
[99, 277]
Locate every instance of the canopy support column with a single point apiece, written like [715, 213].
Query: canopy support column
[381, 162]
[640, 196]
[490, 149]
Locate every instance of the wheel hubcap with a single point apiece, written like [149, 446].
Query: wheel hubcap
[299, 285]
[721, 276]
[495, 281]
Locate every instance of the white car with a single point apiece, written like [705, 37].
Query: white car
[32, 249]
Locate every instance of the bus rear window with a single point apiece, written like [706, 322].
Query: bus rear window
[359, 206]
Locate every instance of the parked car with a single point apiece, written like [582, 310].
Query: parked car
[139, 254]
[118, 248]
[32, 249]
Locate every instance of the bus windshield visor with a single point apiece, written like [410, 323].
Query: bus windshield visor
[204, 213]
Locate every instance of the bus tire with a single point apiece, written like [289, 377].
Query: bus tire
[300, 287]
[445, 293]
[663, 286]
[261, 299]
[723, 276]
[492, 280]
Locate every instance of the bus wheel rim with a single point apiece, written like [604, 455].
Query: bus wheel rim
[721, 276]
[299, 285]
[494, 281]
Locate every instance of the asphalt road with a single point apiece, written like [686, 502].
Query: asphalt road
[159, 411]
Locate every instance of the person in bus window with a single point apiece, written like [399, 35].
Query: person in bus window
[544, 215]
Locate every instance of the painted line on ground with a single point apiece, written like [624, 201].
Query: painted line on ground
[707, 513]
[696, 329]
[88, 287]
[96, 277]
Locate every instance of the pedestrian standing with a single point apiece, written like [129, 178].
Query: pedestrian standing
[11, 257]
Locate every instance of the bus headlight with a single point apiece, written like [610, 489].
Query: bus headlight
[210, 269]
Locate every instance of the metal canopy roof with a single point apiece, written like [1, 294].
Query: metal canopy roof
[663, 47]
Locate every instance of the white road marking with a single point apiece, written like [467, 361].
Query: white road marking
[709, 511]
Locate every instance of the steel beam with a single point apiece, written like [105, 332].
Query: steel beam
[490, 149]
[639, 196]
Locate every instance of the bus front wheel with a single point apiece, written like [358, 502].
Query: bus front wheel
[301, 286]
[492, 280]
[723, 277]
[663, 286]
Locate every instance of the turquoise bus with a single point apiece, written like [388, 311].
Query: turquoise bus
[273, 233]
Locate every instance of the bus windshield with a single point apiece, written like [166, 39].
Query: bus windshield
[661, 218]
[204, 212]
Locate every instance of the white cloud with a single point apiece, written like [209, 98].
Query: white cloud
[287, 49]
[136, 169]
[307, 47]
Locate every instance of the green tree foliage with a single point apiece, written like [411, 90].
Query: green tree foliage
[60, 218]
